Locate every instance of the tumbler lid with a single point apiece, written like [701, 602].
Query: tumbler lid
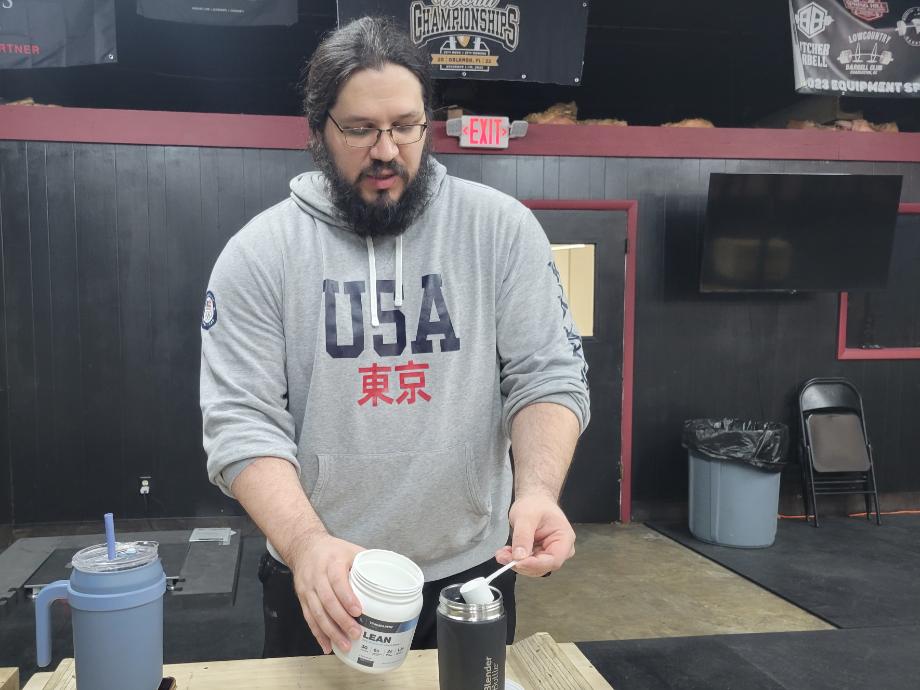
[128, 555]
[452, 605]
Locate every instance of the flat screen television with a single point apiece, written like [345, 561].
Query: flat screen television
[798, 232]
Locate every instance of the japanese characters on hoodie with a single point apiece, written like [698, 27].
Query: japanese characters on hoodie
[388, 371]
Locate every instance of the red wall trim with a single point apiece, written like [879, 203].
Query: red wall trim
[843, 352]
[159, 128]
[163, 128]
[629, 328]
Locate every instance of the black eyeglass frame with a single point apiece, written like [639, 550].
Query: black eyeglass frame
[380, 131]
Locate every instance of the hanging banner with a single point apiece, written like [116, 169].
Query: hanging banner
[222, 12]
[56, 33]
[857, 47]
[490, 39]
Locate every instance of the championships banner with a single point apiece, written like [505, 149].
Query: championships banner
[490, 39]
[857, 47]
[56, 33]
[222, 12]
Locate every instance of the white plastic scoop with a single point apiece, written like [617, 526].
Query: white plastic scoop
[477, 591]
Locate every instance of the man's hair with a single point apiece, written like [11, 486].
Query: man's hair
[366, 43]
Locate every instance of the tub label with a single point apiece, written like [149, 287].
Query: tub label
[382, 643]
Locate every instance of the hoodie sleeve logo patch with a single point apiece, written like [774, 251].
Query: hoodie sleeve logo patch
[209, 318]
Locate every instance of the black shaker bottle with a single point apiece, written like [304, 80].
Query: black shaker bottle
[471, 642]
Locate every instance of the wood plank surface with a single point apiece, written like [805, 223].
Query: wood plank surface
[38, 681]
[9, 679]
[537, 662]
[63, 676]
[592, 676]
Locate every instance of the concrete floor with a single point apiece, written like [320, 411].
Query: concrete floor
[629, 582]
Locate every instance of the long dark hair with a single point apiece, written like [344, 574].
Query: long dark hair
[366, 43]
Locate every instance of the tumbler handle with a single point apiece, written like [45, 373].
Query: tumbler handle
[47, 596]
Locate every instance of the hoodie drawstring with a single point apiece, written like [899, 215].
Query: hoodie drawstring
[398, 296]
[372, 270]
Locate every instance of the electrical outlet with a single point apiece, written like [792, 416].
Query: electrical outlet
[144, 484]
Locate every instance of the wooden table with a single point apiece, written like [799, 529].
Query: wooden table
[537, 663]
[9, 679]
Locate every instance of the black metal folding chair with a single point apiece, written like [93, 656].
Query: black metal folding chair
[836, 452]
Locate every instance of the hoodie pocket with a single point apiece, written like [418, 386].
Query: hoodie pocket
[424, 505]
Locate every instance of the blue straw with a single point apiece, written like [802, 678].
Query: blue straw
[110, 535]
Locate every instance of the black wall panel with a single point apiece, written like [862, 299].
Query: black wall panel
[186, 276]
[132, 213]
[6, 484]
[99, 309]
[718, 355]
[158, 461]
[42, 324]
[64, 470]
[106, 251]
[741, 355]
[19, 362]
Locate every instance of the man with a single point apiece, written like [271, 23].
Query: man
[369, 348]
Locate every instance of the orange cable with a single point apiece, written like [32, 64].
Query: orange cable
[911, 511]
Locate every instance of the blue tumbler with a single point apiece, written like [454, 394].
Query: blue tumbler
[117, 605]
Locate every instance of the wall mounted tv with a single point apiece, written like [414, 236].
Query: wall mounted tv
[798, 232]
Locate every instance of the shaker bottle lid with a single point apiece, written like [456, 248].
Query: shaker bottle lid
[128, 555]
[511, 685]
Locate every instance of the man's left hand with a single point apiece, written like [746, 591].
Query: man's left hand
[542, 538]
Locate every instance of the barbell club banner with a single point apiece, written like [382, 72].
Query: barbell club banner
[222, 12]
[490, 39]
[56, 33]
[857, 47]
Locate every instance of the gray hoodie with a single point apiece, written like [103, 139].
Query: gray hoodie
[394, 405]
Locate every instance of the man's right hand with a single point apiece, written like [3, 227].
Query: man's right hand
[269, 489]
[320, 565]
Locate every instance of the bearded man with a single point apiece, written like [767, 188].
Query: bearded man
[371, 349]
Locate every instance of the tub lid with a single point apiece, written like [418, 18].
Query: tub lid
[128, 555]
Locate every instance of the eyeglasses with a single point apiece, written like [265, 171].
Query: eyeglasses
[367, 137]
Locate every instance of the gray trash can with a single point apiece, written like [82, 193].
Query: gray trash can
[735, 470]
[732, 504]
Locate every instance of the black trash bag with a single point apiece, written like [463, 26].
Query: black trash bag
[760, 444]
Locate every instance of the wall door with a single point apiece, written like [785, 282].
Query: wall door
[592, 491]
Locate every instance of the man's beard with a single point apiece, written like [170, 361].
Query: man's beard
[383, 216]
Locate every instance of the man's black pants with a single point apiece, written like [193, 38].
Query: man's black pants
[286, 631]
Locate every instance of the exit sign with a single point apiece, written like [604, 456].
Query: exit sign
[484, 132]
